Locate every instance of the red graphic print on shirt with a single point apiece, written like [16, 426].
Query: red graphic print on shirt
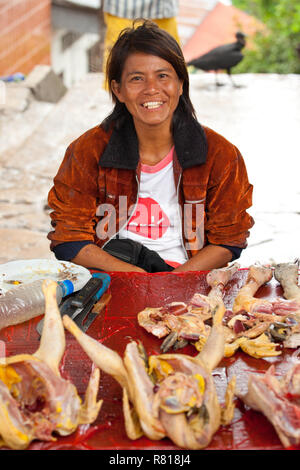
[148, 220]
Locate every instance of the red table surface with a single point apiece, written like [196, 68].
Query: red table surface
[116, 326]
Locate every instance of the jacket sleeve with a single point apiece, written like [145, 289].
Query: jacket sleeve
[229, 195]
[74, 195]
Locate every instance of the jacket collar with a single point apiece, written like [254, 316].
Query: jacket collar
[122, 149]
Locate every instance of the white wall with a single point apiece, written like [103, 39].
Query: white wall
[72, 62]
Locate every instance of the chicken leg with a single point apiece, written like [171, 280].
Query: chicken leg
[245, 300]
[52, 342]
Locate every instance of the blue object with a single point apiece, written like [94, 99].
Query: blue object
[15, 77]
[106, 282]
[67, 287]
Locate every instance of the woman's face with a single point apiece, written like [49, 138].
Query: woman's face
[150, 89]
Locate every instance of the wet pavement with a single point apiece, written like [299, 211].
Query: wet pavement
[261, 117]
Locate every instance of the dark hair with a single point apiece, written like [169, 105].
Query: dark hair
[149, 39]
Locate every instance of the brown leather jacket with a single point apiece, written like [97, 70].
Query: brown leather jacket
[100, 166]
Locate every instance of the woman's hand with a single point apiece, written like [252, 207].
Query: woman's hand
[210, 257]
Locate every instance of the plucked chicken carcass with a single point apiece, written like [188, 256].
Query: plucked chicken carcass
[169, 395]
[182, 322]
[35, 401]
[279, 400]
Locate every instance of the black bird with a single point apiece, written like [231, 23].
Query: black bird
[222, 58]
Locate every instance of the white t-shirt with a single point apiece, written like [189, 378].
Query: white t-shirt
[156, 221]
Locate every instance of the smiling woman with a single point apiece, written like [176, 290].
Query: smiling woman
[150, 189]
[150, 90]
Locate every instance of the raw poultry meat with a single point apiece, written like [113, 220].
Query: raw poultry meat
[245, 300]
[287, 275]
[185, 321]
[258, 326]
[245, 324]
[279, 400]
[169, 395]
[251, 317]
[35, 401]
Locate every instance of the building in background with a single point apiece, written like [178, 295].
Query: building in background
[69, 34]
[79, 23]
[190, 15]
[77, 38]
[25, 35]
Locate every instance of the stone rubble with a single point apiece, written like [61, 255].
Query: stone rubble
[45, 84]
[261, 117]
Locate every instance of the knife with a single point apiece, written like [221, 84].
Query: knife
[87, 316]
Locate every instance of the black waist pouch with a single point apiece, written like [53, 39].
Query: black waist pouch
[137, 254]
[124, 249]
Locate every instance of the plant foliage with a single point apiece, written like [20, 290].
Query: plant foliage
[277, 49]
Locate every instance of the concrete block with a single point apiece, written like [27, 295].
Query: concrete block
[45, 84]
[16, 98]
